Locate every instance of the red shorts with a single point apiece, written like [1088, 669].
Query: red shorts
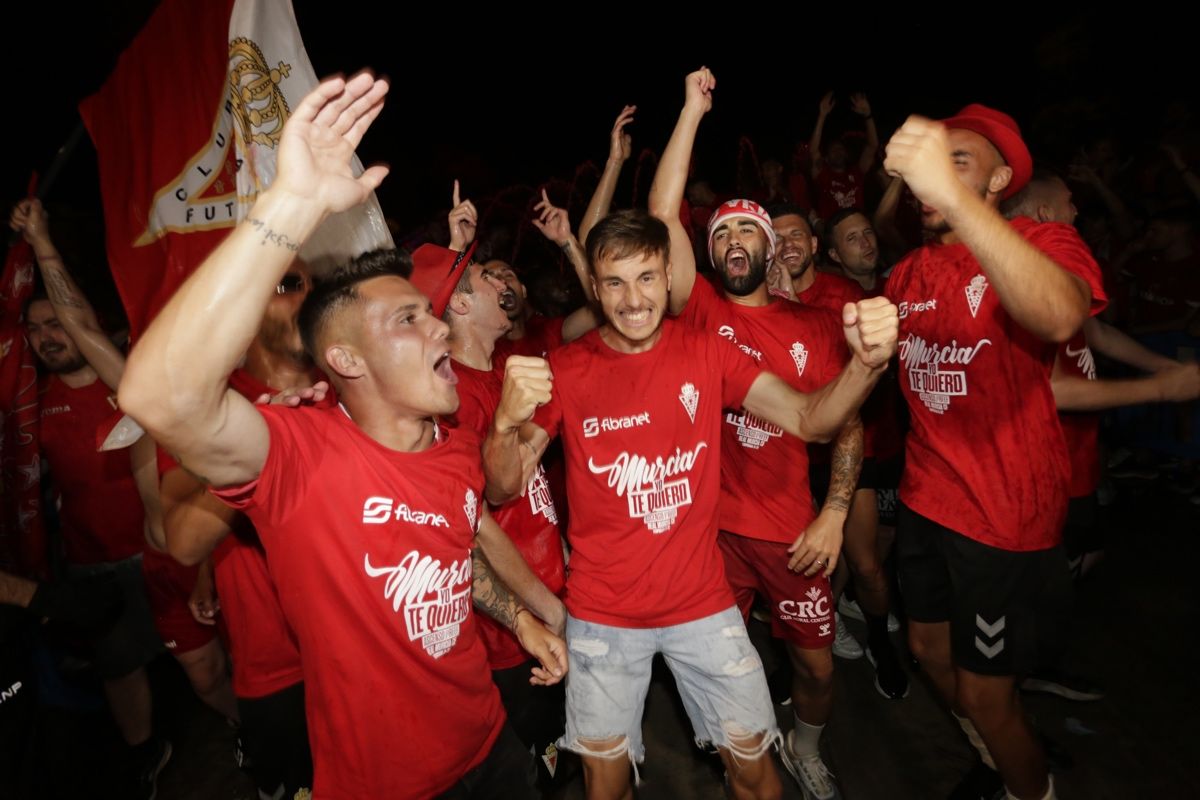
[801, 608]
[169, 585]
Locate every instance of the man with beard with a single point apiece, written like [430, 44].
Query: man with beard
[980, 529]
[767, 518]
[469, 301]
[368, 510]
[268, 679]
[793, 272]
[102, 520]
[639, 404]
[854, 248]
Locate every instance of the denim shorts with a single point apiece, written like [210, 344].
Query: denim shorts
[717, 670]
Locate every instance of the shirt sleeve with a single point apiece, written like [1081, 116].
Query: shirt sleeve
[294, 456]
[738, 373]
[699, 304]
[1063, 244]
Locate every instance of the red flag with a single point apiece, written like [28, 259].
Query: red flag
[186, 129]
[22, 538]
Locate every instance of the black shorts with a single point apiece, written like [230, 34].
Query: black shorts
[275, 737]
[132, 641]
[537, 715]
[882, 476]
[1006, 609]
[1081, 532]
[503, 775]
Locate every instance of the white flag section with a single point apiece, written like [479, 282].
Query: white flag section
[270, 72]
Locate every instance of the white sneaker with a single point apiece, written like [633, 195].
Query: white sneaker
[850, 608]
[845, 645]
[810, 773]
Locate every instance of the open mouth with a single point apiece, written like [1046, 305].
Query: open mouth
[444, 369]
[737, 263]
[508, 300]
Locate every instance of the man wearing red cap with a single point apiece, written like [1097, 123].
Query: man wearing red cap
[985, 486]
[368, 511]
[525, 545]
[771, 538]
[639, 405]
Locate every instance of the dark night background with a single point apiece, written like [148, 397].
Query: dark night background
[519, 99]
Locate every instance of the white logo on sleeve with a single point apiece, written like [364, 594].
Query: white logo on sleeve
[1084, 360]
[433, 600]
[652, 498]
[471, 506]
[689, 395]
[800, 356]
[927, 376]
[975, 290]
[380, 510]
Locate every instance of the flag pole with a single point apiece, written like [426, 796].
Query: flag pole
[60, 158]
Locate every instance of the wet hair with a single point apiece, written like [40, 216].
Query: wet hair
[628, 233]
[339, 289]
[841, 216]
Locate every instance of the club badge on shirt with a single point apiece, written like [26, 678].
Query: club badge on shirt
[689, 395]
[799, 355]
[975, 290]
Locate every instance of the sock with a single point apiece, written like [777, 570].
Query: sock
[806, 739]
[1049, 795]
[976, 740]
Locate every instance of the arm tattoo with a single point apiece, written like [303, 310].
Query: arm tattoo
[61, 289]
[490, 594]
[270, 235]
[845, 467]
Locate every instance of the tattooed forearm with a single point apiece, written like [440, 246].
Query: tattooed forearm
[59, 286]
[270, 235]
[846, 465]
[491, 596]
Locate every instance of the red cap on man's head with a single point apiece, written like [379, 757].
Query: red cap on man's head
[1001, 130]
[437, 270]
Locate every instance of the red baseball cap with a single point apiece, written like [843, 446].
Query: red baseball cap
[1001, 130]
[437, 270]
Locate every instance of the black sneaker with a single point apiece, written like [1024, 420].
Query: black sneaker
[156, 759]
[981, 783]
[1070, 687]
[890, 680]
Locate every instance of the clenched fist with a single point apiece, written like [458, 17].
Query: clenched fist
[871, 327]
[919, 152]
[527, 385]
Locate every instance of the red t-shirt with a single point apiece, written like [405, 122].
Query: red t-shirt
[265, 656]
[542, 334]
[101, 516]
[764, 471]
[642, 439]
[985, 453]
[838, 190]
[1081, 429]
[530, 520]
[370, 550]
[830, 292]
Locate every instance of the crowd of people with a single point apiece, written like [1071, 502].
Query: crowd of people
[419, 524]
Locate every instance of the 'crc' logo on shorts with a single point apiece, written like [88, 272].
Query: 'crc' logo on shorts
[813, 610]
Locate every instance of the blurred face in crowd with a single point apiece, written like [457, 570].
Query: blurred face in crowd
[50, 341]
[794, 244]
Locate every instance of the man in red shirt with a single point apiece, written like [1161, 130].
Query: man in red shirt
[793, 272]
[526, 539]
[639, 405]
[839, 183]
[268, 677]
[979, 536]
[367, 511]
[854, 248]
[767, 512]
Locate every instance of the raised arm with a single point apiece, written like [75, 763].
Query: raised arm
[1041, 296]
[176, 381]
[670, 181]
[1119, 346]
[814, 144]
[870, 327]
[620, 147]
[514, 445]
[884, 220]
[463, 220]
[555, 225]
[859, 105]
[73, 310]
